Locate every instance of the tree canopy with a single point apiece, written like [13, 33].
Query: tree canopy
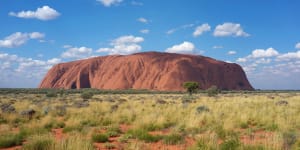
[191, 86]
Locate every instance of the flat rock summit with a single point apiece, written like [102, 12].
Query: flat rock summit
[148, 70]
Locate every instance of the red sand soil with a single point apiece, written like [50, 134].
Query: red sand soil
[149, 146]
[148, 70]
[112, 140]
[256, 138]
[124, 127]
[12, 148]
[160, 145]
[58, 134]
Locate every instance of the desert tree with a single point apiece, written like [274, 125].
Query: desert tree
[191, 86]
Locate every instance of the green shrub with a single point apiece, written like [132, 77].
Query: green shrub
[72, 128]
[124, 138]
[212, 91]
[113, 131]
[86, 95]
[289, 139]
[173, 139]
[253, 147]
[296, 145]
[100, 138]
[54, 125]
[143, 135]
[202, 145]
[9, 140]
[221, 132]
[19, 121]
[39, 142]
[74, 142]
[244, 125]
[230, 144]
[106, 122]
[271, 127]
[168, 124]
[60, 125]
[202, 108]
[151, 127]
[91, 123]
[2, 120]
[60, 110]
[51, 94]
[25, 131]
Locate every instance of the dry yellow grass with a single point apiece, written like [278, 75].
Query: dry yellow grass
[227, 115]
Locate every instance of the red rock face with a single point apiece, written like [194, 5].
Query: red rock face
[149, 70]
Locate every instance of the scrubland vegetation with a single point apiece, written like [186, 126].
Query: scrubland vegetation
[87, 120]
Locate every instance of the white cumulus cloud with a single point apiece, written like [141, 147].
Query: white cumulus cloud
[42, 13]
[231, 52]
[230, 29]
[19, 71]
[36, 35]
[289, 56]
[297, 46]
[108, 3]
[269, 69]
[185, 48]
[143, 20]
[124, 45]
[145, 31]
[201, 29]
[241, 60]
[18, 39]
[260, 53]
[77, 52]
[217, 47]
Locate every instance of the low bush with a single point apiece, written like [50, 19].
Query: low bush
[289, 139]
[244, 125]
[54, 125]
[74, 142]
[72, 128]
[86, 95]
[143, 135]
[91, 123]
[39, 142]
[124, 138]
[271, 127]
[230, 144]
[25, 131]
[9, 140]
[2, 120]
[212, 91]
[113, 131]
[202, 109]
[253, 147]
[100, 138]
[51, 94]
[202, 144]
[151, 127]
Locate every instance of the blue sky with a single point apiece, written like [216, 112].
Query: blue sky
[262, 36]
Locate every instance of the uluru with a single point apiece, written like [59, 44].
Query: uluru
[148, 70]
